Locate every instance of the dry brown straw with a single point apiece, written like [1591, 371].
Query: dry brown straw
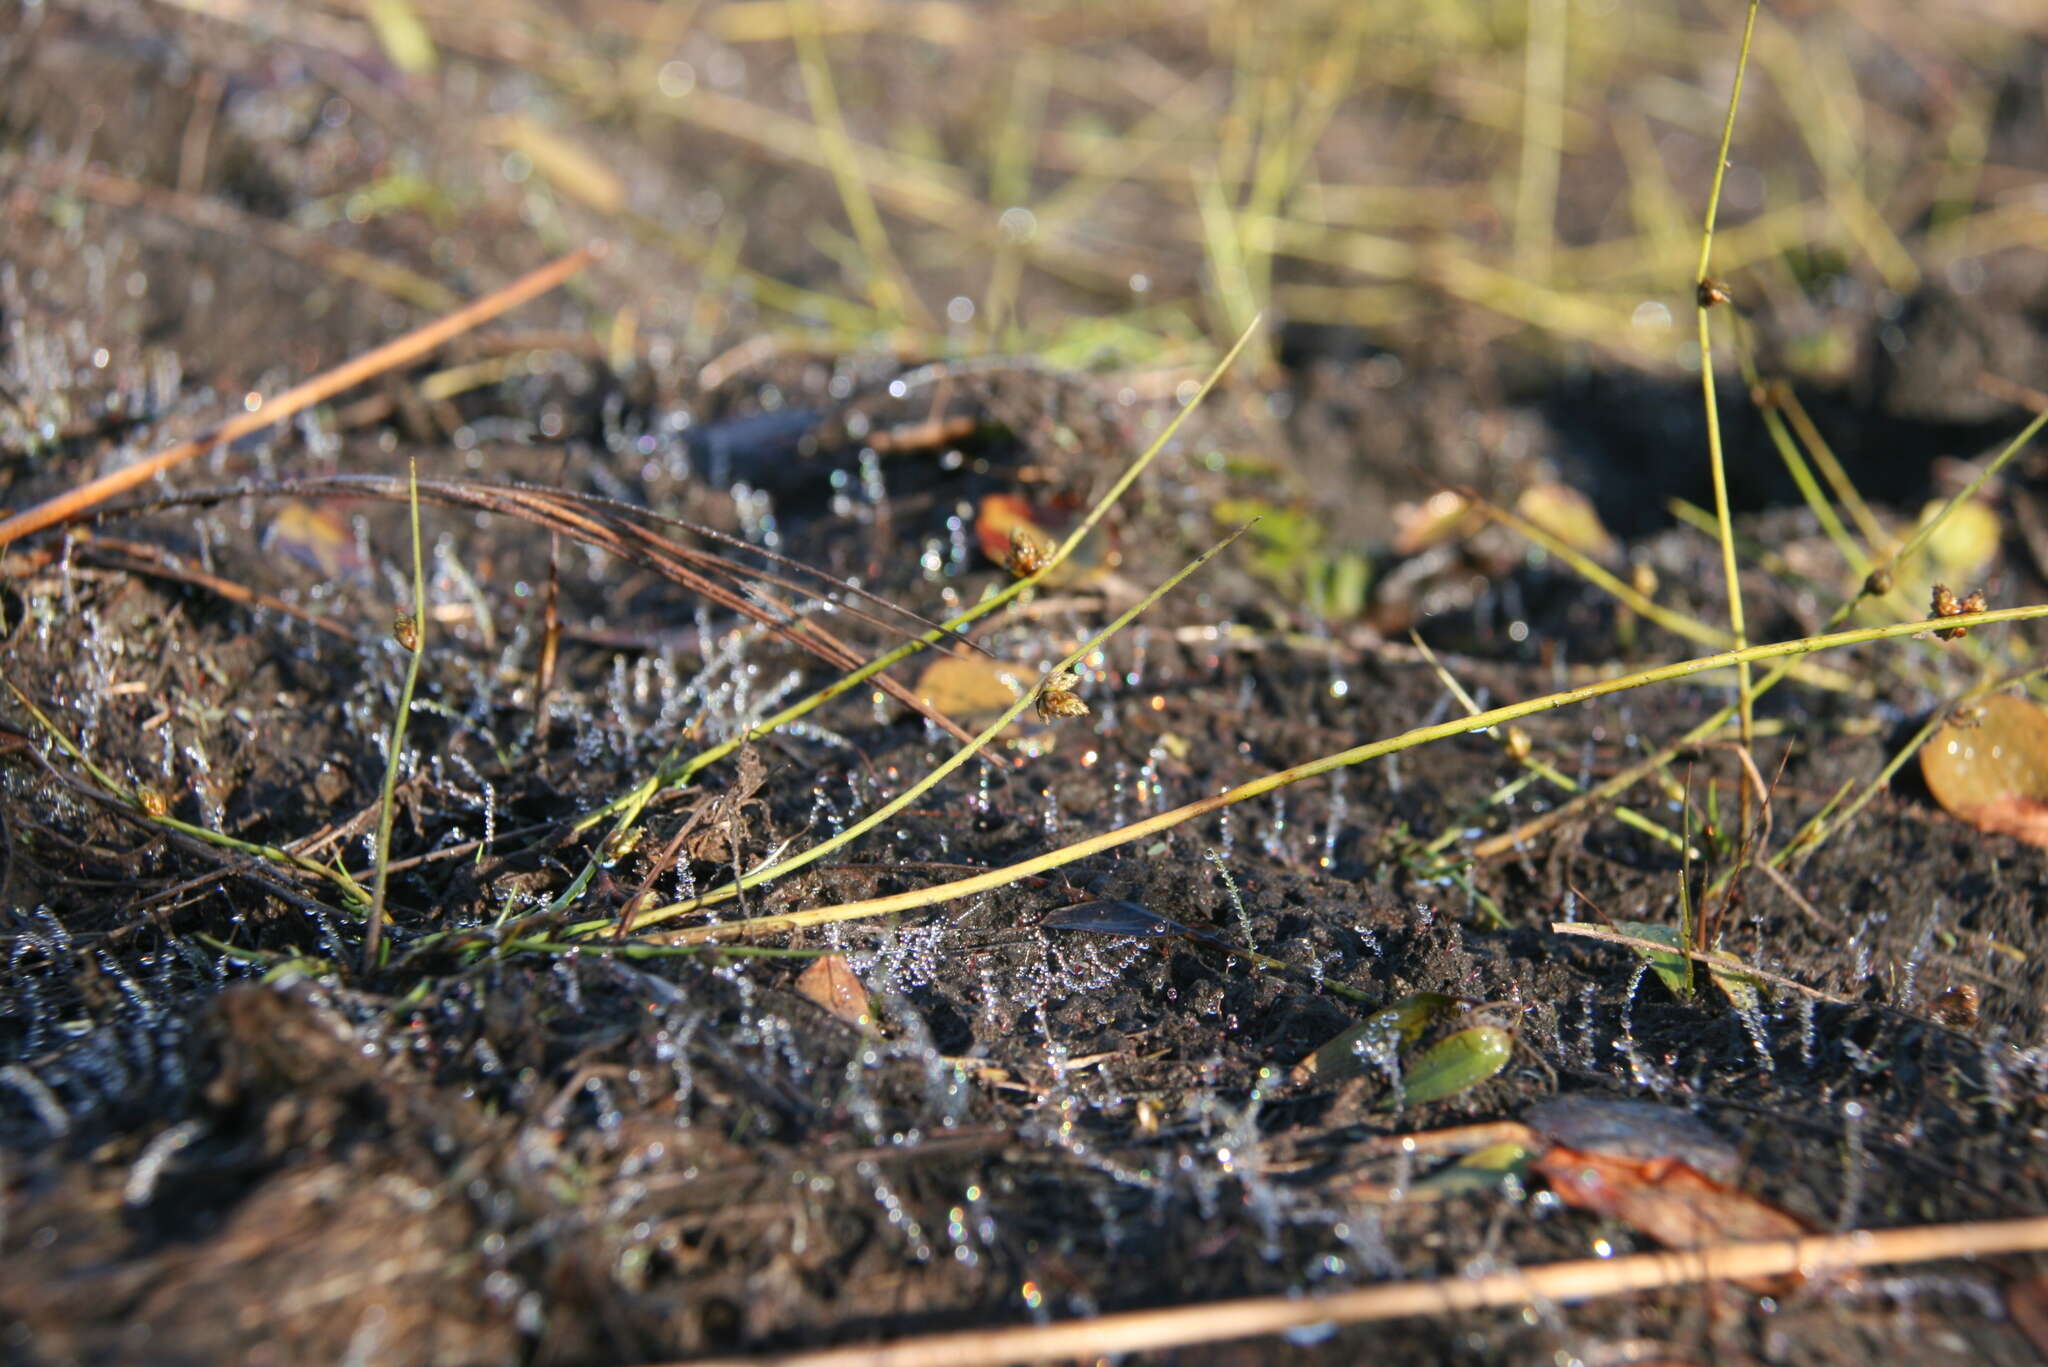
[400, 351]
[1585, 1279]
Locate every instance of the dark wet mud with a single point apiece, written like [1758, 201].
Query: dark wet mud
[222, 1140]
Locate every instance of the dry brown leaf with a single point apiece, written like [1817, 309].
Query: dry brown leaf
[2025, 818]
[1002, 519]
[1569, 516]
[1443, 516]
[2027, 1303]
[832, 984]
[1671, 1203]
[319, 537]
[1637, 1130]
[1989, 765]
[970, 688]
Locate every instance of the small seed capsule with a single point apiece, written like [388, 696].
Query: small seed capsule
[1028, 551]
[1057, 699]
[1955, 1008]
[1946, 604]
[1518, 744]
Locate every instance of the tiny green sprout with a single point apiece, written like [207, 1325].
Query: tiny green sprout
[1400, 1024]
[1673, 969]
[1454, 1064]
[621, 843]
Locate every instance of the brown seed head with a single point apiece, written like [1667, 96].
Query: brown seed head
[1028, 551]
[1057, 699]
[1946, 604]
[1955, 1008]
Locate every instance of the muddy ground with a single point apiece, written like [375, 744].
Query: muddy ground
[222, 1140]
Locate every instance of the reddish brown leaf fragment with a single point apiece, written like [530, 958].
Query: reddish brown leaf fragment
[2027, 1303]
[832, 984]
[1671, 1203]
[2024, 818]
[1989, 765]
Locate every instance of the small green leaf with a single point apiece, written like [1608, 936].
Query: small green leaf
[1338, 584]
[405, 39]
[1675, 969]
[1475, 1173]
[1453, 1065]
[1399, 1025]
[1743, 989]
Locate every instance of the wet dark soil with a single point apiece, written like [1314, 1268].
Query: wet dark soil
[222, 1140]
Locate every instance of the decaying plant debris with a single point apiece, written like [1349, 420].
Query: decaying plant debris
[564, 1107]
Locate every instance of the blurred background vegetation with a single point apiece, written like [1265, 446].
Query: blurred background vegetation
[1094, 183]
[1509, 191]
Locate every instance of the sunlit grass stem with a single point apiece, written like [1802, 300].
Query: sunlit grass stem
[1165, 821]
[352, 892]
[938, 773]
[387, 801]
[1703, 304]
[630, 804]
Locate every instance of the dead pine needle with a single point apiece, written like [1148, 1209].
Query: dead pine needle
[390, 356]
[1581, 1279]
[1721, 962]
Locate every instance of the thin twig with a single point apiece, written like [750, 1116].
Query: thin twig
[393, 354]
[1578, 1280]
[1717, 960]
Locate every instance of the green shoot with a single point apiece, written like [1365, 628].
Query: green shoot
[1259, 787]
[387, 802]
[1704, 301]
[959, 757]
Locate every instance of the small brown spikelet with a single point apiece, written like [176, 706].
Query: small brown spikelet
[1956, 1008]
[1057, 699]
[1028, 551]
[405, 629]
[1946, 604]
[1710, 292]
[153, 802]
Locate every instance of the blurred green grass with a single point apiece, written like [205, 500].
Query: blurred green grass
[1124, 186]
[1105, 182]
